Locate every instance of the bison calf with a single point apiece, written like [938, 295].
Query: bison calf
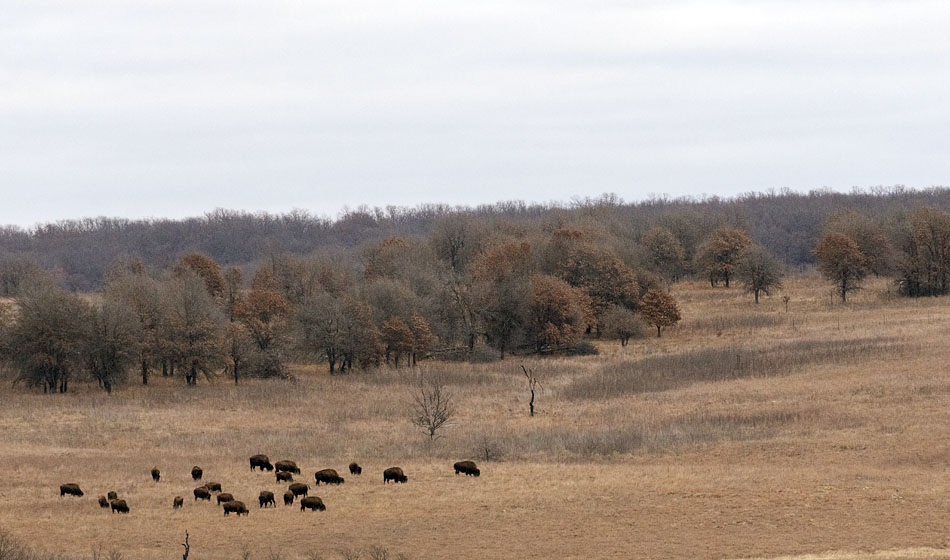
[196, 472]
[355, 469]
[70, 488]
[395, 474]
[156, 474]
[327, 476]
[234, 506]
[103, 502]
[312, 503]
[178, 502]
[467, 467]
[202, 493]
[119, 506]
[284, 476]
[266, 498]
[288, 498]
[112, 496]
[261, 462]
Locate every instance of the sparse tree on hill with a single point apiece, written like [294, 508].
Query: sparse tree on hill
[659, 309]
[664, 252]
[421, 336]
[398, 339]
[759, 271]
[557, 313]
[622, 324]
[432, 406]
[841, 261]
[265, 314]
[719, 255]
[193, 329]
[206, 269]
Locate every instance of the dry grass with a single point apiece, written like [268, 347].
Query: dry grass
[825, 438]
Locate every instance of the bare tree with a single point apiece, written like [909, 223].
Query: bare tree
[186, 546]
[432, 406]
[534, 383]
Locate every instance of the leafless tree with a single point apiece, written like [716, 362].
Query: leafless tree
[432, 406]
[534, 383]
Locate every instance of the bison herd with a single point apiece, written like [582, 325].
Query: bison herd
[284, 473]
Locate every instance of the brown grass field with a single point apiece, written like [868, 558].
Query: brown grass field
[746, 432]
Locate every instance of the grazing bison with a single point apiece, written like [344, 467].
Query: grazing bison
[156, 474]
[178, 502]
[288, 498]
[103, 502]
[395, 474]
[112, 496]
[312, 503]
[202, 493]
[287, 466]
[355, 469]
[225, 497]
[196, 472]
[299, 489]
[214, 486]
[235, 506]
[467, 467]
[327, 476]
[119, 506]
[70, 488]
[267, 497]
[284, 476]
[261, 462]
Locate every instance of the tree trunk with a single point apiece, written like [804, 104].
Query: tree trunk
[144, 372]
[658, 331]
[756, 297]
[531, 403]
[235, 372]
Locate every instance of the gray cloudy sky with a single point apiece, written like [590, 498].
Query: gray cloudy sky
[173, 108]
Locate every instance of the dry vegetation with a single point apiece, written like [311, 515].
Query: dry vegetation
[744, 432]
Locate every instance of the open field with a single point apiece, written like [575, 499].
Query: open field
[747, 432]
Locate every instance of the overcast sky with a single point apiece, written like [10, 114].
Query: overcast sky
[174, 108]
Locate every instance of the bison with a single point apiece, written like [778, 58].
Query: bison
[284, 476]
[156, 474]
[299, 489]
[119, 506]
[225, 497]
[395, 474]
[287, 466]
[178, 502]
[327, 476]
[196, 472]
[266, 498]
[355, 469]
[235, 506]
[261, 462]
[312, 503]
[214, 486]
[467, 467]
[202, 493]
[288, 498]
[70, 488]
[112, 496]
[103, 502]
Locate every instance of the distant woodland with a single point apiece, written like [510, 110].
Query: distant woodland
[243, 294]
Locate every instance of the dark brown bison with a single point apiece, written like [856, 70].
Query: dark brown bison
[395, 474]
[103, 502]
[288, 498]
[202, 493]
[467, 467]
[299, 489]
[112, 496]
[119, 506]
[235, 506]
[284, 476]
[261, 462]
[266, 498]
[287, 466]
[70, 488]
[355, 469]
[178, 502]
[156, 474]
[225, 497]
[214, 486]
[312, 503]
[196, 472]
[327, 476]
